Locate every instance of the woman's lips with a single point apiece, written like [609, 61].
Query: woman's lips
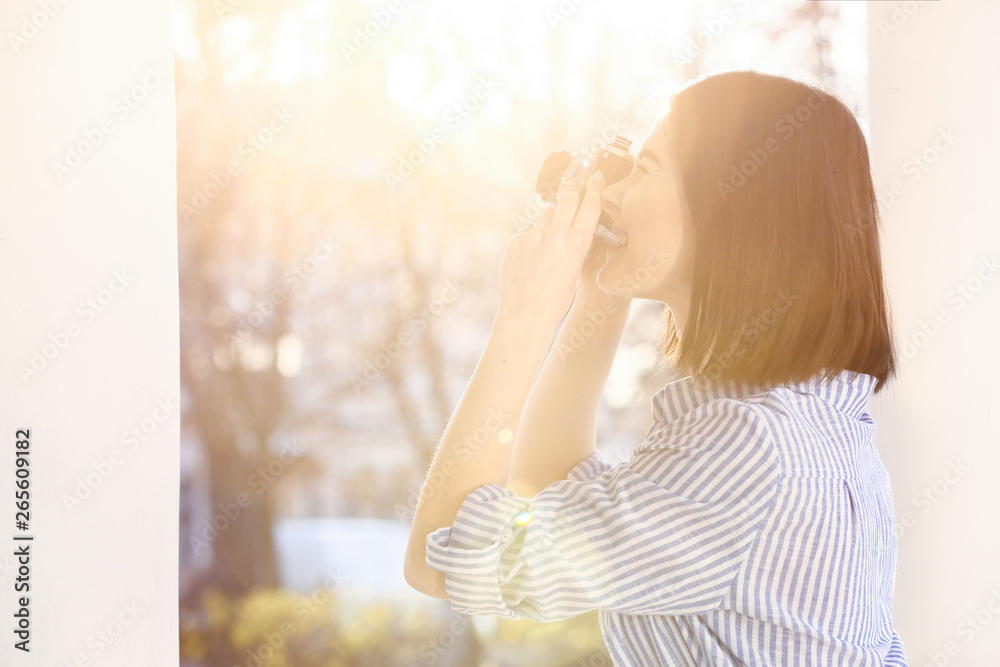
[613, 236]
[620, 235]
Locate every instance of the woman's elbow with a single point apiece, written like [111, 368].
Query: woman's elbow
[425, 579]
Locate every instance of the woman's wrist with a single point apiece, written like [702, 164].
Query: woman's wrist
[527, 333]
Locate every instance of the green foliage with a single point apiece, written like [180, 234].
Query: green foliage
[276, 628]
[272, 627]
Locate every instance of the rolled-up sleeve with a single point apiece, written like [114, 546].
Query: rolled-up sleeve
[469, 551]
[664, 533]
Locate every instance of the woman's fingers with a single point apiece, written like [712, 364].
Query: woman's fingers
[550, 253]
[578, 207]
[579, 210]
[544, 219]
[590, 209]
[568, 196]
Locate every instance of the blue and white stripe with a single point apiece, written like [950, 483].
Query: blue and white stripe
[751, 527]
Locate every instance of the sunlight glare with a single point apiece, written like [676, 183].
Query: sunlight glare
[289, 361]
[404, 80]
[287, 64]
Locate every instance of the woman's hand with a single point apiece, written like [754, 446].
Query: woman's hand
[542, 265]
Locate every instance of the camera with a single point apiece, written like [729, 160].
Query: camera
[613, 159]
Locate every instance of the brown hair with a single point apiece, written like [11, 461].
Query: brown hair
[788, 276]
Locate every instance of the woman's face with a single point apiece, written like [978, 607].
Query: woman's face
[649, 206]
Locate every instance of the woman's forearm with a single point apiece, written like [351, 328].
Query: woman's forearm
[558, 427]
[476, 446]
[540, 268]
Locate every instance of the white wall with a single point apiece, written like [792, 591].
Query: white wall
[103, 570]
[934, 90]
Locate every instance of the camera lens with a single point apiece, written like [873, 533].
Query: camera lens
[551, 173]
[613, 160]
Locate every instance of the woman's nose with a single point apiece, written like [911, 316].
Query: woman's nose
[611, 198]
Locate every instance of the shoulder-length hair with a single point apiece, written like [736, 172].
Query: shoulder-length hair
[788, 279]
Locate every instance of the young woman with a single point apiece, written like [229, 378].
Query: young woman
[754, 524]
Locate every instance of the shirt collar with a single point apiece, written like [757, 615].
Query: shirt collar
[848, 391]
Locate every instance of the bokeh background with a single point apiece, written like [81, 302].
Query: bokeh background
[348, 176]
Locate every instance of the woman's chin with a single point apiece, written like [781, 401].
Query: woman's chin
[607, 281]
[611, 276]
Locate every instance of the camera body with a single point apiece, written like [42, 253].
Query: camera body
[613, 159]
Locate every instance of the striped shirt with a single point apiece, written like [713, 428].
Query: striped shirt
[752, 526]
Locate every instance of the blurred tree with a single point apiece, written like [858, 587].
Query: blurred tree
[235, 409]
[242, 236]
[268, 350]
